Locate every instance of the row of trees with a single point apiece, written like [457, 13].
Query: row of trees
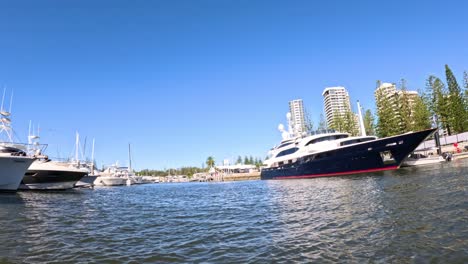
[210, 162]
[445, 106]
[248, 160]
[399, 111]
[346, 122]
[448, 103]
[189, 171]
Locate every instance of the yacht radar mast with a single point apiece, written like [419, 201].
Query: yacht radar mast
[6, 130]
[361, 121]
[290, 128]
[34, 147]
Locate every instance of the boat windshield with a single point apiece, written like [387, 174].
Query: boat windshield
[326, 138]
[356, 140]
[287, 152]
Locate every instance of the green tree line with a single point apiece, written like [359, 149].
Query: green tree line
[189, 171]
[445, 105]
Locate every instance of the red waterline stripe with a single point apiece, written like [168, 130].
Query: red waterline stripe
[337, 174]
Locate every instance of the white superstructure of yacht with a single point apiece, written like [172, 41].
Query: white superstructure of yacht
[289, 150]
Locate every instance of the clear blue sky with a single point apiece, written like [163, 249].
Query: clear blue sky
[182, 80]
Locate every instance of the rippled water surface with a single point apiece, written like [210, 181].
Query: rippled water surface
[410, 215]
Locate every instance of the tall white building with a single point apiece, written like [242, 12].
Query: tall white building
[296, 108]
[390, 91]
[394, 96]
[336, 102]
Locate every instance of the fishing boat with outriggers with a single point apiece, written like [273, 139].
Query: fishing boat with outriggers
[329, 153]
[14, 160]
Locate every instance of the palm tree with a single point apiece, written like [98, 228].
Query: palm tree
[210, 161]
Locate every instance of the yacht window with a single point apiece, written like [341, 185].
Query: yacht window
[357, 140]
[287, 152]
[9, 150]
[285, 144]
[326, 138]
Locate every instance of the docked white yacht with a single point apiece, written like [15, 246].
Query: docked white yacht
[111, 176]
[14, 160]
[13, 164]
[116, 175]
[44, 174]
[417, 159]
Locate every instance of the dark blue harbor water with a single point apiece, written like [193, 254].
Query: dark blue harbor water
[407, 216]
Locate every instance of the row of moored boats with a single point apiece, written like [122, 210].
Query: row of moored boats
[23, 166]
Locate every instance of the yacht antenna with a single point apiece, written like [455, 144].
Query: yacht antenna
[29, 132]
[361, 121]
[11, 100]
[3, 98]
[290, 128]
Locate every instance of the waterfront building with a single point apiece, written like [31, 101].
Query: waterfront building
[393, 95]
[336, 103]
[298, 122]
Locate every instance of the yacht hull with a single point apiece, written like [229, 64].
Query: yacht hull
[110, 181]
[12, 170]
[86, 181]
[48, 186]
[376, 155]
[50, 179]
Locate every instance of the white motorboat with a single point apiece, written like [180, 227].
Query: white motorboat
[111, 176]
[417, 159]
[13, 165]
[109, 181]
[14, 160]
[45, 174]
[87, 181]
[116, 175]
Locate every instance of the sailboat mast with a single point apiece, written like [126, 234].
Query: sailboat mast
[3, 98]
[361, 121]
[77, 144]
[29, 132]
[129, 159]
[92, 159]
